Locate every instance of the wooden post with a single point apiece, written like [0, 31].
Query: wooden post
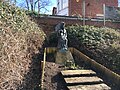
[83, 12]
[43, 68]
[104, 13]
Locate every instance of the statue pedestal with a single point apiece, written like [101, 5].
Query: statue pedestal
[64, 58]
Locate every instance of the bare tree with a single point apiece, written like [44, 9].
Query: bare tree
[34, 5]
[38, 6]
[43, 4]
[27, 4]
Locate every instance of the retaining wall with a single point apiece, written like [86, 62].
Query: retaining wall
[53, 20]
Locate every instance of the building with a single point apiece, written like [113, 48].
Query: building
[93, 8]
[62, 7]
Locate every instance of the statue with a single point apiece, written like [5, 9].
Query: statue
[62, 37]
[63, 55]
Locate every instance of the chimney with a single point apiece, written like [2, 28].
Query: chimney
[54, 11]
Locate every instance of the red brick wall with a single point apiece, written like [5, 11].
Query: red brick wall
[93, 7]
[49, 23]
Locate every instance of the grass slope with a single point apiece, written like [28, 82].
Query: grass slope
[20, 40]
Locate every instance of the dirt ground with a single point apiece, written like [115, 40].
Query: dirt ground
[53, 78]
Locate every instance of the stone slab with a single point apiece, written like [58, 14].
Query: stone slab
[64, 58]
[90, 87]
[77, 72]
[83, 80]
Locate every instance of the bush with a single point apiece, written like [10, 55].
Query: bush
[105, 40]
[20, 40]
[93, 36]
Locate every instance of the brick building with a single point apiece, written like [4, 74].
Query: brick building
[93, 8]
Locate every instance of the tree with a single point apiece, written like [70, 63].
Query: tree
[43, 4]
[34, 5]
[38, 6]
[27, 4]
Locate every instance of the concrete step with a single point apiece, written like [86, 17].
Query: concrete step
[83, 80]
[90, 87]
[78, 73]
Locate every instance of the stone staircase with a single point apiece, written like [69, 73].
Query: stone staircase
[83, 80]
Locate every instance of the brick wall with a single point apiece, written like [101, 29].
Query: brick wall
[52, 21]
[93, 7]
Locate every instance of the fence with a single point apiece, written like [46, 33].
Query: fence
[112, 13]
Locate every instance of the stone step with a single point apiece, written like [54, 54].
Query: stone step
[78, 73]
[90, 87]
[64, 57]
[82, 80]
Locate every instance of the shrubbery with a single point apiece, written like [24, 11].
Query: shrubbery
[105, 40]
[94, 36]
[20, 40]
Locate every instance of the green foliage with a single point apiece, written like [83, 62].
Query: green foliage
[93, 36]
[52, 40]
[32, 13]
[70, 65]
[105, 39]
[35, 14]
